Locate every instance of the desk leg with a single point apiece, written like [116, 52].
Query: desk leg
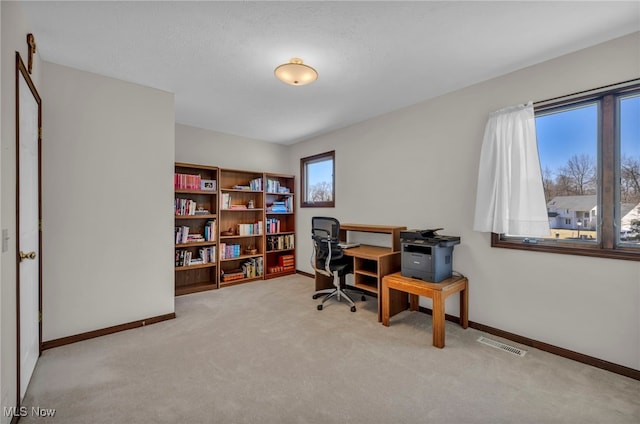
[414, 302]
[464, 306]
[383, 296]
[438, 319]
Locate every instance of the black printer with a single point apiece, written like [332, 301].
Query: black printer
[427, 255]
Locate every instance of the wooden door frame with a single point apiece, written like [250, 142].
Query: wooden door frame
[21, 69]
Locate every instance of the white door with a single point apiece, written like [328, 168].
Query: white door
[28, 230]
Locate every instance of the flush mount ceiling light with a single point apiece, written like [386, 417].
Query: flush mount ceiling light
[296, 73]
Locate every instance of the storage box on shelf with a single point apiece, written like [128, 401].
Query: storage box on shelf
[241, 226]
[196, 228]
[280, 225]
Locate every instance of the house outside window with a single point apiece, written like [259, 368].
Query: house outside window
[589, 148]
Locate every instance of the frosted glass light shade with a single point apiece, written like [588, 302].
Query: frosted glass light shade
[296, 73]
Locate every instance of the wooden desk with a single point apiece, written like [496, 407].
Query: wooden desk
[370, 263]
[392, 230]
[394, 294]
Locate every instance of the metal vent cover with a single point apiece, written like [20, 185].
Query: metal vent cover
[499, 345]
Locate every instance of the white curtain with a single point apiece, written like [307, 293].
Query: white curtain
[510, 198]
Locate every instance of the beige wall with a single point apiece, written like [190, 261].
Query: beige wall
[418, 167]
[14, 30]
[107, 202]
[200, 146]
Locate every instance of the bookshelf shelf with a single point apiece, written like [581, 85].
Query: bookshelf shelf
[195, 243]
[189, 198]
[195, 289]
[241, 258]
[198, 266]
[187, 191]
[203, 216]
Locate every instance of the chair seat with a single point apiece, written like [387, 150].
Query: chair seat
[341, 269]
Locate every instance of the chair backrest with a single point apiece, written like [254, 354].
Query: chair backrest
[323, 226]
[325, 232]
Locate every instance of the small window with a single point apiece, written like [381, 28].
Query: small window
[317, 177]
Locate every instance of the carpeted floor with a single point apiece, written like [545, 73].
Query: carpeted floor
[262, 353]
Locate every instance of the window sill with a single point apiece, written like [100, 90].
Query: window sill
[318, 205]
[623, 253]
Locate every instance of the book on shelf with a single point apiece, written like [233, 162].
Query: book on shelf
[273, 186]
[186, 257]
[185, 207]
[281, 206]
[186, 181]
[182, 234]
[253, 267]
[281, 242]
[230, 251]
[208, 254]
[195, 238]
[273, 225]
[232, 275]
[211, 230]
[286, 260]
[249, 229]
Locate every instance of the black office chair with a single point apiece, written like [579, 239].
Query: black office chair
[328, 259]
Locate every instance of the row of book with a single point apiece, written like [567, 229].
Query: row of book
[186, 257]
[281, 206]
[182, 234]
[230, 251]
[273, 186]
[250, 229]
[251, 268]
[193, 182]
[273, 225]
[184, 207]
[282, 242]
[186, 181]
[285, 263]
[225, 203]
[254, 185]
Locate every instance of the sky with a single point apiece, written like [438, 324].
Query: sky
[561, 135]
[320, 171]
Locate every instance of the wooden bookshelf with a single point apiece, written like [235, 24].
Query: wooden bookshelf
[195, 209]
[255, 233]
[280, 224]
[241, 226]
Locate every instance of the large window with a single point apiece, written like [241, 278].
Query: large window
[317, 180]
[589, 152]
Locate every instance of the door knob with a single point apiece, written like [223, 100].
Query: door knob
[30, 255]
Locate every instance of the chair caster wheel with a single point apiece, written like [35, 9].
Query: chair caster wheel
[363, 298]
[353, 309]
[319, 307]
[315, 296]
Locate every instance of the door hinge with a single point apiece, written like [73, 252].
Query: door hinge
[40, 225]
[39, 316]
[40, 133]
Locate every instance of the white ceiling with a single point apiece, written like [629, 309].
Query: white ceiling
[372, 57]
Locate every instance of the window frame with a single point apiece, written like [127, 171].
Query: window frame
[304, 202]
[608, 244]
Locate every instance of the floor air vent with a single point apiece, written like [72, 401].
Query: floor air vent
[502, 346]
